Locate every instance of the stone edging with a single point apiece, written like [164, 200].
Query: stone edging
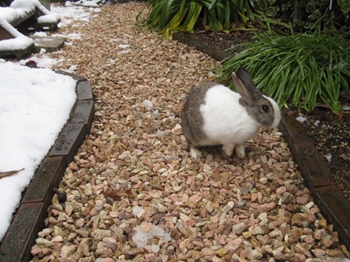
[334, 205]
[29, 218]
[191, 41]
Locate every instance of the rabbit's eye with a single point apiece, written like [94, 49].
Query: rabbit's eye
[265, 108]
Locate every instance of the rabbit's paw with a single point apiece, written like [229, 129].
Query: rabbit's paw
[228, 149]
[240, 150]
[195, 153]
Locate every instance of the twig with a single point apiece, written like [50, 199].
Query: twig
[9, 173]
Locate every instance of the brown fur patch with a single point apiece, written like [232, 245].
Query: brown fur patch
[242, 102]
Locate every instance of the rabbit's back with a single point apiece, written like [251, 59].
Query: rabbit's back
[191, 117]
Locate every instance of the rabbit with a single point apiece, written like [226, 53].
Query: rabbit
[213, 114]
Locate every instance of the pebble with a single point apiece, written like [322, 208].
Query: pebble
[68, 250]
[42, 242]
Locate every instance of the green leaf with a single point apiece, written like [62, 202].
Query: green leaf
[271, 11]
[262, 4]
[166, 12]
[192, 16]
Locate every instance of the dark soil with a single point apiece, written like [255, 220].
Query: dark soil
[330, 131]
[222, 41]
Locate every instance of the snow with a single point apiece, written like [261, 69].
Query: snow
[28, 5]
[34, 106]
[11, 14]
[328, 157]
[19, 42]
[147, 231]
[138, 211]
[19, 9]
[73, 12]
[44, 61]
[301, 119]
[92, 3]
[148, 104]
[25, 4]
[49, 18]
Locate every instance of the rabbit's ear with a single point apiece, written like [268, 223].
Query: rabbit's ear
[245, 86]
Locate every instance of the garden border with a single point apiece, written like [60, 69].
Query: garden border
[334, 205]
[29, 218]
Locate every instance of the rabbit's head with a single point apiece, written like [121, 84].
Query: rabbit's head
[264, 110]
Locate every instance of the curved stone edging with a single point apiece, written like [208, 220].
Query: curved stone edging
[29, 218]
[191, 41]
[333, 204]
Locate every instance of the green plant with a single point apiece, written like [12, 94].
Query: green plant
[166, 16]
[298, 69]
[309, 14]
[345, 7]
[322, 15]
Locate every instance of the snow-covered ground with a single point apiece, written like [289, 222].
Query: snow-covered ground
[34, 106]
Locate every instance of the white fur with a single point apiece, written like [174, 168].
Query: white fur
[195, 152]
[229, 124]
[229, 121]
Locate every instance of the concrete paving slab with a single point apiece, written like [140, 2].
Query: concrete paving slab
[19, 53]
[49, 43]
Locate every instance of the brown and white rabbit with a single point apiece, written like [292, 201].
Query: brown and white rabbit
[215, 115]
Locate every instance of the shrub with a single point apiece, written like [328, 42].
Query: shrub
[167, 16]
[298, 69]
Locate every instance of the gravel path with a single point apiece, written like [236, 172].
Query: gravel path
[134, 193]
